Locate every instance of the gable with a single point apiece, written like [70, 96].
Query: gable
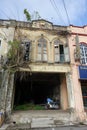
[42, 24]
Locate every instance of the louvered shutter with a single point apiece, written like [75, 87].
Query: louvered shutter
[66, 53]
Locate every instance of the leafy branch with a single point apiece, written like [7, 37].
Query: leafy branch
[27, 14]
[15, 53]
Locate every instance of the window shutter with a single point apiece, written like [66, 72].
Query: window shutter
[39, 52]
[30, 49]
[42, 50]
[57, 56]
[44, 55]
[66, 53]
[0, 42]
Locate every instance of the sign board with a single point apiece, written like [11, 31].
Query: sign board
[83, 72]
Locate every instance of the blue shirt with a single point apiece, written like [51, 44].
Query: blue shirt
[49, 100]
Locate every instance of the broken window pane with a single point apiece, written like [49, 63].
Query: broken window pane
[26, 51]
[56, 50]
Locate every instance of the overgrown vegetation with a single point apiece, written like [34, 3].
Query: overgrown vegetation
[15, 53]
[29, 107]
[34, 16]
[27, 14]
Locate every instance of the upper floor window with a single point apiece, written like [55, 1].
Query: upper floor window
[0, 42]
[83, 52]
[26, 50]
[42, 50]
[58, 51]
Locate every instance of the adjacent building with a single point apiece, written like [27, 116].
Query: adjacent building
[78, 54]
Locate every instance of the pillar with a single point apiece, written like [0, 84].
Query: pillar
[9, 99]
[70, 91]
[63, 93]
[4, 89]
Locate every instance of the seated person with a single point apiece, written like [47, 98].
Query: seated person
[49, 100]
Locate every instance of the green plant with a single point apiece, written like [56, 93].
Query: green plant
[15, 53]
[29, 107]
[27, 14]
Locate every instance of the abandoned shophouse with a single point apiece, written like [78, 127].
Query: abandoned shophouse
[52, 54]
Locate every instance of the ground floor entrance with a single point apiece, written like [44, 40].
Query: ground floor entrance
[83, 82]
[84, 92]
[35, 88]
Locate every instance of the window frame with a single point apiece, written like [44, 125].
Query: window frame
[58, 43]
[83, 53]
[0, 42]
[24, 45]
[42, 41]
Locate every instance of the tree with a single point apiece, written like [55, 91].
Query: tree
[27, 14]
[15, 53]
[35, 16]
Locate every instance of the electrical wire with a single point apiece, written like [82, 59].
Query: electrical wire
[57, 10]
[2, 12]
[66, 12]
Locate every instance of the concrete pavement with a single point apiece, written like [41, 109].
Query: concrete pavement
[53, 128]
[65, 128]
[43, 120]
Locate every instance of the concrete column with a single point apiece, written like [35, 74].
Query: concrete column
[63, 93]
[3, 90]
[70, 91]
[78, 94]
[49, 52]
[9, 99]
[33, 52]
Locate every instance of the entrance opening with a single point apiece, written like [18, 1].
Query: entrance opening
[84, 92]
[36, 87]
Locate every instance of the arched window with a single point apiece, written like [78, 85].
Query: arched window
[83, 52]
[42, 50]
[58, 51]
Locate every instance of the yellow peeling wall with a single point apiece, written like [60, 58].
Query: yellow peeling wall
[34, 35]
[6, 35]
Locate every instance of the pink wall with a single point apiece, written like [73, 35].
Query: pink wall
[82, 34]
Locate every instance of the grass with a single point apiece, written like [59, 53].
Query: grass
[29, 107]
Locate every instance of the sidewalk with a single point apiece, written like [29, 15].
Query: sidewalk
[39, 119]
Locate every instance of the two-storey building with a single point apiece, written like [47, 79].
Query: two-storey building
[52, 70]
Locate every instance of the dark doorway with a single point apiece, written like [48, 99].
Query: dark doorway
[84, 92]
[36, 87]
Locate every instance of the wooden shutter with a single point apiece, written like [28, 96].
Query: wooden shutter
[66, 53]
[39, 52]
[44, 55]
[57, 56]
